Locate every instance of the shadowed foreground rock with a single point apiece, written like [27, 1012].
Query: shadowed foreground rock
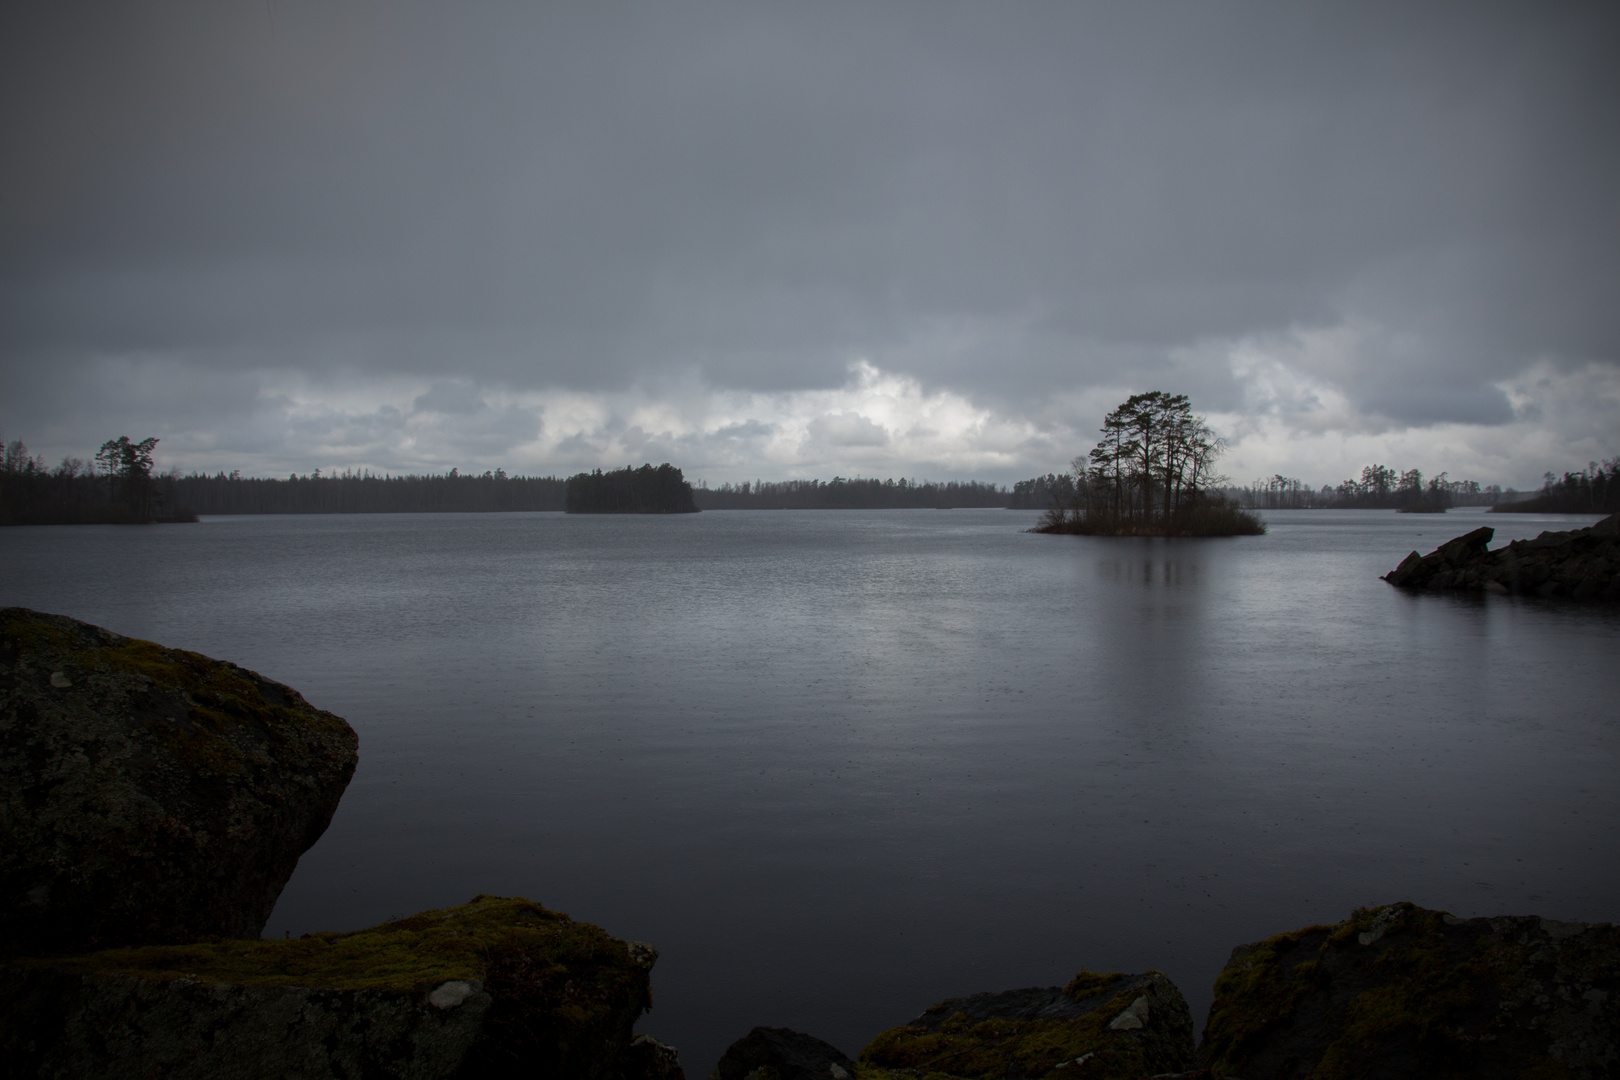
[1401, 991]
[148, 794]
[1582, 563]
[494, 988]
[782, 1054]
[1112, 1025]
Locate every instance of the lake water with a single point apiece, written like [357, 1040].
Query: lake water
[838, 766]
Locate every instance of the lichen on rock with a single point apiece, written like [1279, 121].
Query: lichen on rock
[1109, 1025]
[496, 987]
[1401, 991]
[149, 794]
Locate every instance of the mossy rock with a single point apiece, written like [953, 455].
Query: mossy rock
[496, 987]
[149, 795]
[1099, 1026]
[768, 1053]
[1402, 991]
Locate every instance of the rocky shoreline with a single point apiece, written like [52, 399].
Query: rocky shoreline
[1580, 563]
[127, 764]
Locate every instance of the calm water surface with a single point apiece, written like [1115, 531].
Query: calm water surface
[838, 766]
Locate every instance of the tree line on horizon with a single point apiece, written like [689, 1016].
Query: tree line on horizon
[845, 493]
[118, 486]
[366, 492]
[1378, 488]
[1594, 490]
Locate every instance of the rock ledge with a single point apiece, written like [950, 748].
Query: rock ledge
[1581, 563]
[497, 987]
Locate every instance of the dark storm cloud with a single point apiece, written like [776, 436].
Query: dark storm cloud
[998, 199]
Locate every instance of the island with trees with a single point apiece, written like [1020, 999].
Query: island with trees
[647, 490]
[1150, 474]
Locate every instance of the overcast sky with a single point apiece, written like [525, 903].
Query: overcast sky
[774, 239]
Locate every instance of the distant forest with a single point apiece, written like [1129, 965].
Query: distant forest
[647, 490]
[842, 493]
[1595, 491]
[118, 486]
[1378, 488]
[366, 493]
[1043, 492]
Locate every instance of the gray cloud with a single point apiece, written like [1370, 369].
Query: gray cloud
[847, 429]
[1013, 202]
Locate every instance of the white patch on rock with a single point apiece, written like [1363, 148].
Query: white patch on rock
[838, 1071]
[450, 994]
[1133, 1018]
[642, 954]
[1380, 923]
[60, 680]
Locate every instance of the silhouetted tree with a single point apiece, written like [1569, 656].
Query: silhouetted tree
[128, 466]
[1151, 472]
[1154, 455]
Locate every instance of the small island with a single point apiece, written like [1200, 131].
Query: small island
[647, 490]
[1151, 474]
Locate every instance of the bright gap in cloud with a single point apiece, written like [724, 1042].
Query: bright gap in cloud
[1288, 412]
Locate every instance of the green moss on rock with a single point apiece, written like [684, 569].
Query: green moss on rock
[149, 794]
[494, 987]
[407, 954]
[1402, 991]
[1098, 1026]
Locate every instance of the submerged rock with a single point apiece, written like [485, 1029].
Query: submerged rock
[1401, 991]
[782, 1054]
[148, 794]
[1582, 563]
[494, 988]
[1109, 1025]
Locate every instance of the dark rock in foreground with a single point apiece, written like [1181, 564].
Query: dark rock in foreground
[782, 1054]
[494, 988]
[1404, 992]
[1098, 1026]
[1583, 563]
[148, 794]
